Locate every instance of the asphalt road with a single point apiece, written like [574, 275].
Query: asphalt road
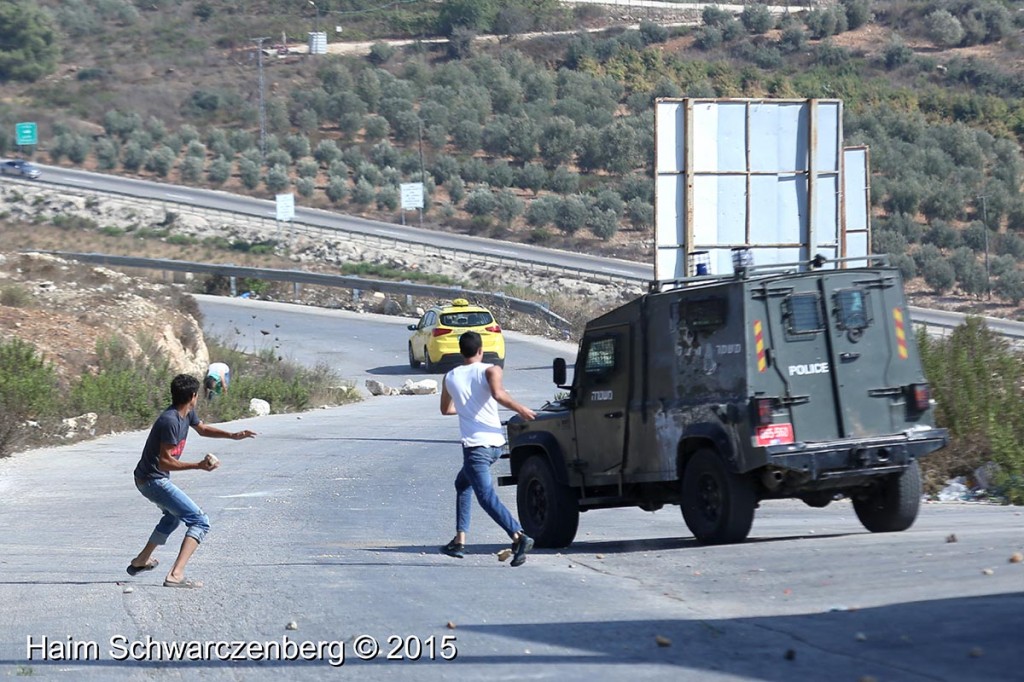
[331, 520]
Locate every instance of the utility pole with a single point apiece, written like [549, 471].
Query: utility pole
[263, 106]
[316, 20]
[984, 219]
[423, 175]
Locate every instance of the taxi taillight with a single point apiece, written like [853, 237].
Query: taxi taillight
[440, 331]
[494, 329]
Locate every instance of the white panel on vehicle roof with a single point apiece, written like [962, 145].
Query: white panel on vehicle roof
[670, 199]
[765, 173]
[669, 138]
[777, 209]
[830, 135]
[670, 263]
[718, 210]
[826, 202]
[719, 137]
[857, 201]
[778, 136]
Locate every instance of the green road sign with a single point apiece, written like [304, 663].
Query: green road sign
[25, 133]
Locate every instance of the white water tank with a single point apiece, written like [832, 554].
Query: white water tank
[318, 42]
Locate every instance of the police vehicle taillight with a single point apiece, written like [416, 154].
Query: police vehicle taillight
[440, 331]
[494, 329]
[919, 396]
[763, 408]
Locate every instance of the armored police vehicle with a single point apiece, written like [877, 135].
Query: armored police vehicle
[718, 392]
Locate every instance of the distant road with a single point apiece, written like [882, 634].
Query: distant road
[264, 209]
[362, 47]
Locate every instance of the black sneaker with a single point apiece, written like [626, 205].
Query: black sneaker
[455, 549]
[519, 549]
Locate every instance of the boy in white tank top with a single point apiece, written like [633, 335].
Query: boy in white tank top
[473, 392]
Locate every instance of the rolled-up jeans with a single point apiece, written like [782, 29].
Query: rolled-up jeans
[177, 507]
[475, 476]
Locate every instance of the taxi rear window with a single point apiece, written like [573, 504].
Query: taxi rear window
[478, 318]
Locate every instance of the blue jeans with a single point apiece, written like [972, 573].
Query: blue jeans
[178, 508]
[475, 476]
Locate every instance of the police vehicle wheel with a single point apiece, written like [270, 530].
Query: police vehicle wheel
[891, 506]
[547, 509]
[718, 505]
[427, 364]
[413, 362]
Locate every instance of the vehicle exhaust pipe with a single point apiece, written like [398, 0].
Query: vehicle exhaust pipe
[772, 479]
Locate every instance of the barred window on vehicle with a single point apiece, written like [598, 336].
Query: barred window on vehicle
[852, 309]
[600, 358]
[803, 314]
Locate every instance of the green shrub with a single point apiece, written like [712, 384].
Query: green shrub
[129, 391]
[976, 378]
[14, 296]
[381, 53]
[28, 383]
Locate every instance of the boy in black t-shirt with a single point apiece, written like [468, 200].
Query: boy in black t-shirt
[160, 457]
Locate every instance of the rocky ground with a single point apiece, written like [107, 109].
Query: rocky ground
[65, 309]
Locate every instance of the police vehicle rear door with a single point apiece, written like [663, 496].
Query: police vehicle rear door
[873, 358]
[829, 355]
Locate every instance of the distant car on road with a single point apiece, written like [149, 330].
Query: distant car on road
[435, 339]
[18, 167]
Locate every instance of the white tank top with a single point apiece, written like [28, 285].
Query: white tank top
[478, 410]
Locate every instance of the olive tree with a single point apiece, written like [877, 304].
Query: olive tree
[507, 206]
[570, 214]
[191, 169]
[277, 179]
[943, 28]
[249, 173]
[480, 203]
[219, 171]
[337, 188]
[30, 46]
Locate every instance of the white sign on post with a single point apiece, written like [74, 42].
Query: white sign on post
[412, 195]
[285, 207]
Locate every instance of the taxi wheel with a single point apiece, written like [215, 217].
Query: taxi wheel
[427, 364]
[413, 362]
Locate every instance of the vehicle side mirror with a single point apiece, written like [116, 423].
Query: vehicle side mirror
[558, 371]
[413, 327]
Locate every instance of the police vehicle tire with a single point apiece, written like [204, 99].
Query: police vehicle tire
[547, 508]
[427, 364]
[717, 504]
[893, 505]
[413, 362]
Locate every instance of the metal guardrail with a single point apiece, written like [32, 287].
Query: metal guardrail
[304, 277]
[270, 227]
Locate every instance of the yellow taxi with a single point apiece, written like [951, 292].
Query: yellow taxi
[435, 339]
